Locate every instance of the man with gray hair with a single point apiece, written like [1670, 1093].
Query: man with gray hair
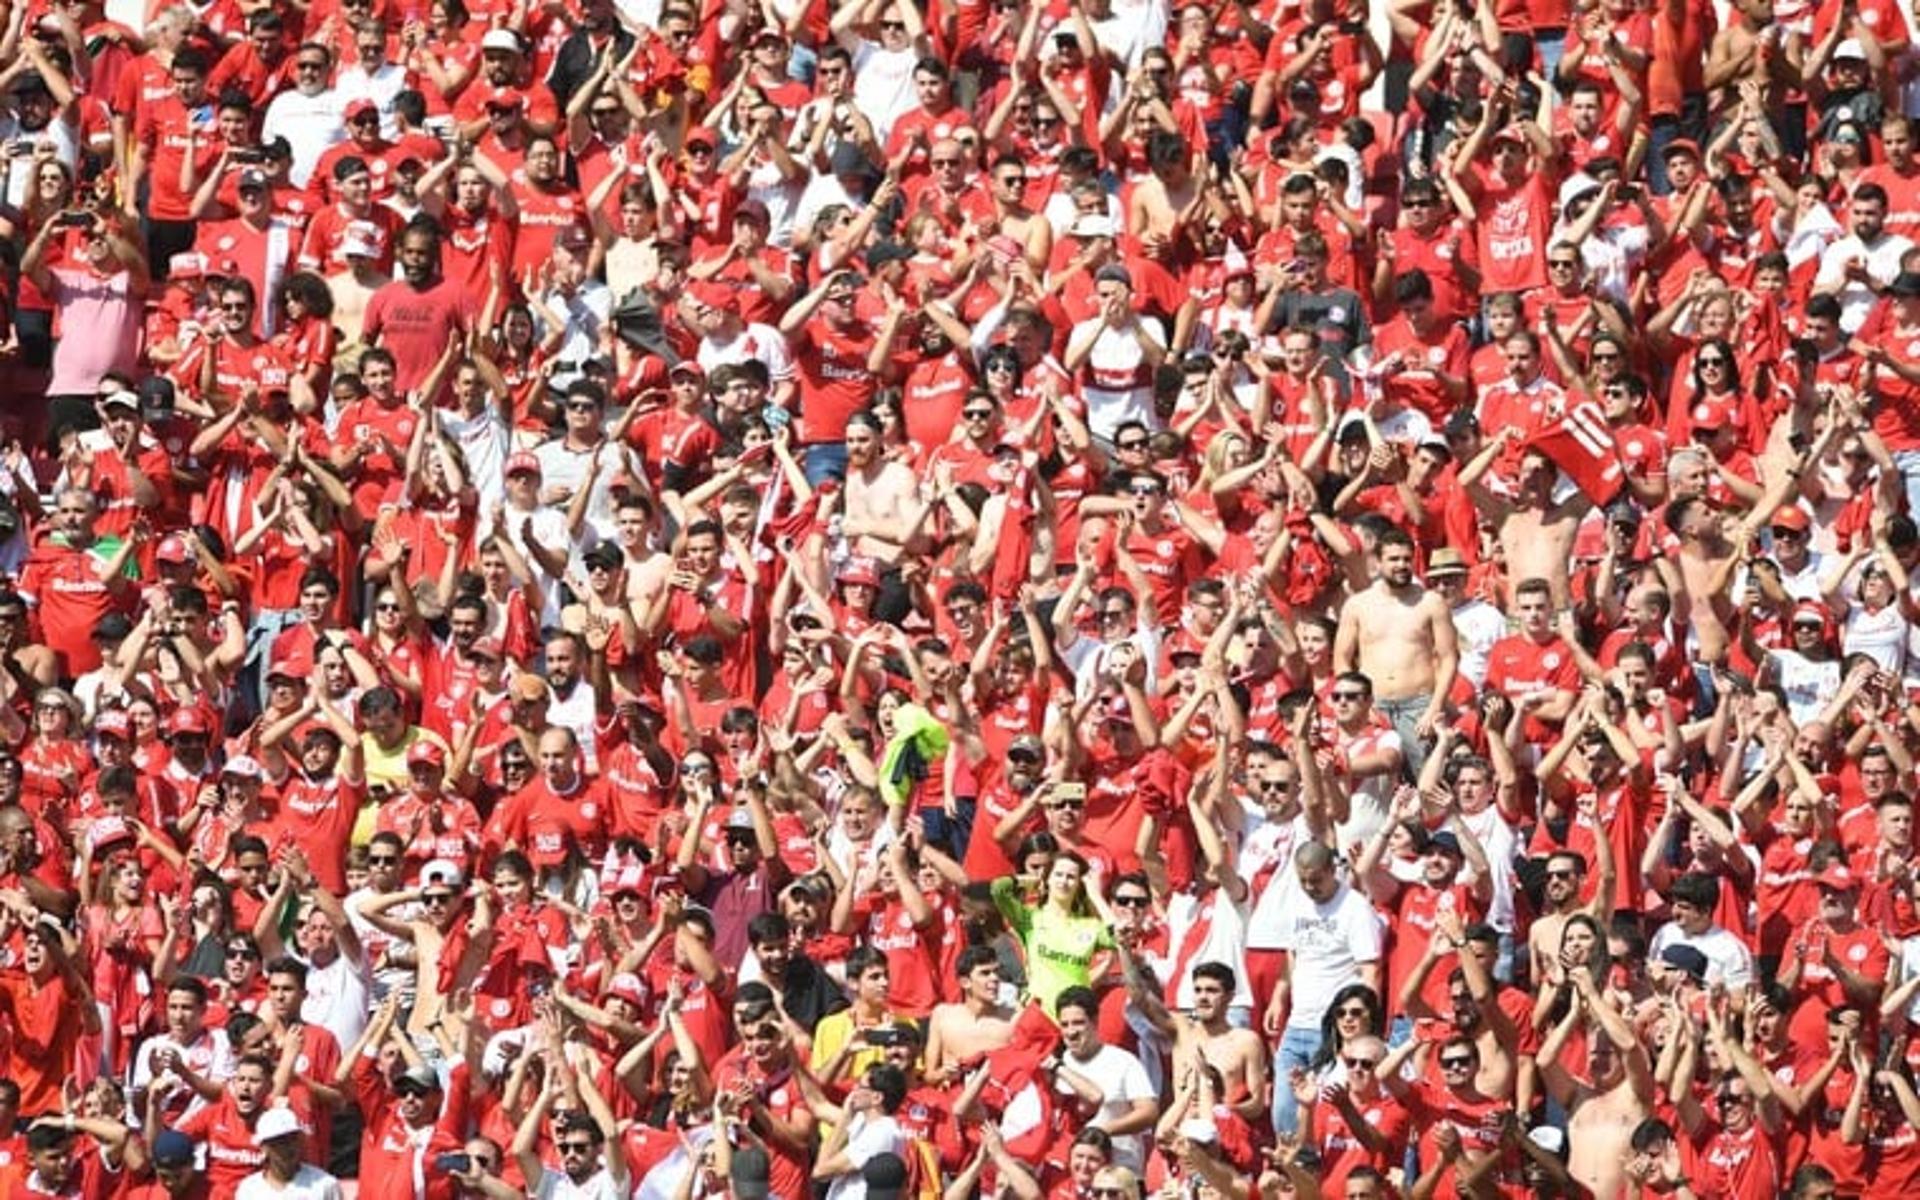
[1332, 939]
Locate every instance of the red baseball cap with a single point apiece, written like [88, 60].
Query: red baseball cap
[189, 720]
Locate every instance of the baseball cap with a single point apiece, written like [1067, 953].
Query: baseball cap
[173, 547]
[522, 462]
[359, 108]
[121, 400]
[189, 720]
[1850, 48]
[440, 875]
[755, 211]
[419, 1078]
[189, 265]
[424, 753]
[1091, 225]
[501, 39]
[171, 1148]
[245, 766]
[1685, 958]
[1681, 146]
[254, 177]
[1790, 516]
[1711, 414]
[275, 1123]
[859, 570]
[1837, 878]
[360, 240]
[627, 986]
[1114, 273]
[112, 722]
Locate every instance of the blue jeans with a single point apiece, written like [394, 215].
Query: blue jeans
[1297, 1048]
[824, 461]
[1552, 45]
[1909, 463]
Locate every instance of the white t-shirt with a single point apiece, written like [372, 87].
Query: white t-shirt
[1122, 1079]
[869, 1134]
[1808, 685]
[883, 84]
[1328, 943]
[1477, 625]
[558, 1185]
[1883, 263]
[339, 996]
[308, 1183]
[1729, 961]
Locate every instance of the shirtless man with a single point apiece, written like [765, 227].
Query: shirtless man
[1401, 636]
[439, 898]
[1536, 531]
[962, 1033]
[1560, 898]
[1238, 1054]
[1713, 546]
[882, 512]
[1605, 1108]
[353, 288]
[1011, 217]
[1160, 205]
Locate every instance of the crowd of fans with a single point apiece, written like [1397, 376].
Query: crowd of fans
[866, 600]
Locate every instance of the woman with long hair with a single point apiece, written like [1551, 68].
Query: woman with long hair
[1355, 1013]
[1062, 931]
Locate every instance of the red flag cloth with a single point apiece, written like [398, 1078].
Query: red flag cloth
[1018, 1093]
[1581, 445]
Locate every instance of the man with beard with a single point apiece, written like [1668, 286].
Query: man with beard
[410, 1121]
[755, 873]
[882, 511]
[830, 345]
[414, 317]
[283, 1173]
[1401, 637]
[580, 1138]
[761, 1087]
[804, 991]
[1003, 810]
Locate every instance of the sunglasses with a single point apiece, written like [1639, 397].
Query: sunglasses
[1114, 615]
[383, 860]
[1354, 697]
[1560, 873]
[1132, 901]
[1794, 534]
[574, 1147]
[1712, 362]
[1133, 445]
[978, 414]
[1066, 805]
[1354, 1010]
[1355, 1064]
[1456, 1063]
